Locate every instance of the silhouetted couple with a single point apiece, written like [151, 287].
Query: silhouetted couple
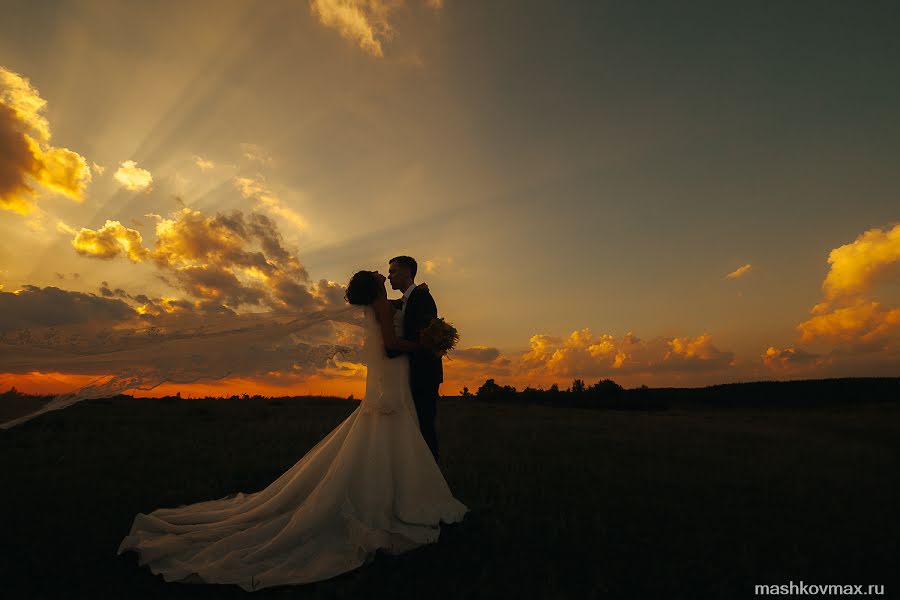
[373, 482]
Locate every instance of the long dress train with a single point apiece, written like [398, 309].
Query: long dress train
[369, 484]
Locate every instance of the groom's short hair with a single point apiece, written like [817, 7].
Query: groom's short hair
[407, 261]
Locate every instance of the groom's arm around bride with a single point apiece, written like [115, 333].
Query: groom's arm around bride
[420, 310]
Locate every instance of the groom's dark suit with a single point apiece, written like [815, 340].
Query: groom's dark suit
[425, 369]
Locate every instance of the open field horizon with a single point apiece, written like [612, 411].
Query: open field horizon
[566, 502]
[805, 392]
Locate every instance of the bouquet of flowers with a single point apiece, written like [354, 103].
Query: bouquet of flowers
[439, 336]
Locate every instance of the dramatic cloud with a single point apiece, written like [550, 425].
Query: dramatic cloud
[133, 178]
[871, 258]
[364, 22]
[848, 315]
[253, 189]
[26, 156]
[330, 293]
[135, 342]
[149, 308]
[110, 241]
[180, 348]
[228, 260]
[849, 320]
[33, 306]
[864, 322]
[739, 272]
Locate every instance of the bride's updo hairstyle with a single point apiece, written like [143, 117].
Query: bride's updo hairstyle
[362, 289]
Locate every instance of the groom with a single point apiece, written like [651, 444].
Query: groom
[414, 311]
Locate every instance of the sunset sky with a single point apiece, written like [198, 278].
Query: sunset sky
[661, 193]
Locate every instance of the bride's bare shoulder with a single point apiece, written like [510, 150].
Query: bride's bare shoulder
[381, 307]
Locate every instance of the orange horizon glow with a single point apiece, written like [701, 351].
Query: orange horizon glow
[191, 187]
[38, 383]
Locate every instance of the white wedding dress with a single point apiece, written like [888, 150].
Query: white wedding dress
[370, 483]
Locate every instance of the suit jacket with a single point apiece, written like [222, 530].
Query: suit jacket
[425, 367]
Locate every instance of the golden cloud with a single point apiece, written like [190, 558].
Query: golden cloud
[132, 177]
[698, 347]
[848, 315]
[583, 354]
[789, 359]
[863, 322]
[739, 272]
[26, 155]
[330, 293]
[364, 22]
[155, 309]
[226, 260]
[849, 319]
[855, 267]
[108, 242]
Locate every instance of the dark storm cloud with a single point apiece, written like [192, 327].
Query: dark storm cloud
[38, 307]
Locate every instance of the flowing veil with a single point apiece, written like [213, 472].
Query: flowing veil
[183, 348]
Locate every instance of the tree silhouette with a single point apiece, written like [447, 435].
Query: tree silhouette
[489, 390]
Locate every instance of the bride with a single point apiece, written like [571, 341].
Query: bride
[369, 484]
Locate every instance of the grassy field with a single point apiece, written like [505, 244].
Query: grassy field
[566, 502]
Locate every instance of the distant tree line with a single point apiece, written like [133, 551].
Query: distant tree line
[605, 393]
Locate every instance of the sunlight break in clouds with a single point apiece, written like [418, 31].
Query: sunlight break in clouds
[252, 189]
[132, 177]
[25, 151]
[739, 272]
[362, 21]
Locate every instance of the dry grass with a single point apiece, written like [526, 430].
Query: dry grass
[566, 502]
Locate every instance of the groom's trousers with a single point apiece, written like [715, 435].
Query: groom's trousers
[425, 396]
